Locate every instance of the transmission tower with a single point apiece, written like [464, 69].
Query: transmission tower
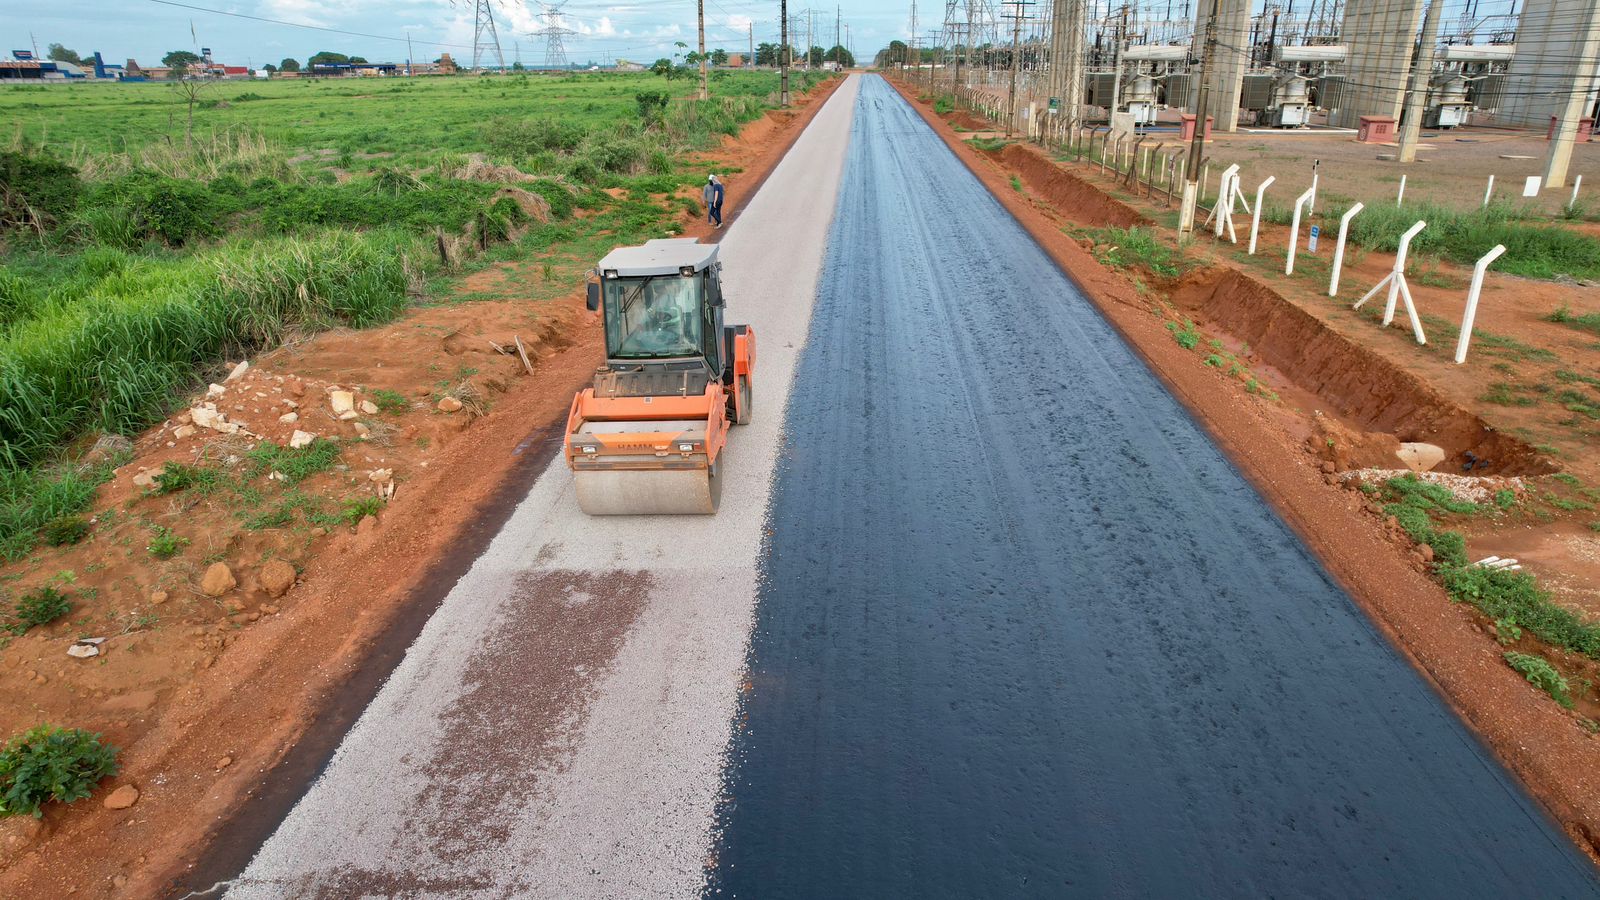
[553, 32]
[484, 35]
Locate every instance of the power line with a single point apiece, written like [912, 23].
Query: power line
[361, 34]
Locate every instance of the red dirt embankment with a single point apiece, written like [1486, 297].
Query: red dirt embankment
[1065, 191]
[1361, 387]
[227, 709]
[1548, 749]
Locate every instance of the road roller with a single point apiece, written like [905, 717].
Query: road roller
[647, 437]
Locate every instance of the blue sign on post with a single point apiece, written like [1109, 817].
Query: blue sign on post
[1311, 245]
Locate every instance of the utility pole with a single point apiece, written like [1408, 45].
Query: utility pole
[1561, 143]
[811, 21]
[700, 13]
[783, 55]
[750, 32]
[1011, 93]
[1197, 146]
[1421, 76]
[838, 33]
[408, 55]
[1118, 35]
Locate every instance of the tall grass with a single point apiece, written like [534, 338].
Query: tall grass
[110, 354]
[1532, 250]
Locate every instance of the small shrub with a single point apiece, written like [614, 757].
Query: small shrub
[1505, 498]
[1186, 335]
[1541, 675]
[40, 607]
[1506, 631]
[359, 508]
[177, 477]
[48, 764]
[65, 530]
[1501, 594]
[165, 544]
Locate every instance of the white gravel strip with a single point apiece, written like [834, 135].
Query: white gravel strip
[1467, 488]
[445, 787]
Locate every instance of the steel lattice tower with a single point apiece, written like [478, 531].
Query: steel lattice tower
[555, 51]
[484, 35]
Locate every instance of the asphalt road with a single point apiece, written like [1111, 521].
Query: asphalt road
[559, 728]
[1023, 631]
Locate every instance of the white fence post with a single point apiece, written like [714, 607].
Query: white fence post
[1488, 191]
[1396, 280]
[1399, 199]
[1472, 301]
[1294, 234]
[1575, 183]
[1222, 213]
[1338, 248]
[1255, 218]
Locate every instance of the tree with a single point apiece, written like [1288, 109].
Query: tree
[518, 66]
[719, 57]
[662, 66]
[766, 54]
[189, 91]
[814, 57]
[289, 65]
[270, 67]
[692, 58]
[62, 54]
[328, 57]
[179, 62]
[841, 56]
[897, 53]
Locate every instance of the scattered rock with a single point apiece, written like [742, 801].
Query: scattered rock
[301, 439]
[347, 415]
[122, 798]
[184, 431]
[238, 371]
[1328, 467]
[158, 597]
[218, 580]
[380, 475]
[224, 762]
[369, 408]
[215, 391]
[449, 405]
[362, 431]
[147, 477]
[206, 416]
[343, 402]
[295, 387]
[1420, 457]
[289, 418]
[291, 404]
[277, 577]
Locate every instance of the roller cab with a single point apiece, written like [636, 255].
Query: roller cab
[647, 437]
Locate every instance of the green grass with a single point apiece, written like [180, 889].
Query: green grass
[1125, 248]
[1502, 594]
[1415, 504]
[165, 544]
[1589, 322]
[1532, 250]
[390, 402]
[38, 607]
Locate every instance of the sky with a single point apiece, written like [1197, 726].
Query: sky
[640, 30]
[603, 30]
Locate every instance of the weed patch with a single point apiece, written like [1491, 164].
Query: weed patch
[1541, 675]
[50, 764]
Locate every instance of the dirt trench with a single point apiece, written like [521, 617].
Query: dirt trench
[1361, 387]
[1068, 193]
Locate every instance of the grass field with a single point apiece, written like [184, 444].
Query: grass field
[138, 249]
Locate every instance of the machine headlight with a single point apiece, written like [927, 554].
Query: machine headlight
[588, 449]
[686, 448]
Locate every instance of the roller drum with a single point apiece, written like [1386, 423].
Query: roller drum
[649, 492]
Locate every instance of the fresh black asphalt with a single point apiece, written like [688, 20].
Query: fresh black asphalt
[1024, 631]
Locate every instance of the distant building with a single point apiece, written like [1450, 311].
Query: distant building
[625, 65]
[736, 61]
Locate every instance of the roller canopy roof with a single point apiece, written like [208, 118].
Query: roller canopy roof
[663, 256]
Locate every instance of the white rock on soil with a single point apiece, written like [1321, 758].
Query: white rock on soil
[301, 439]
[183, 431]
[381, 475]
[289, 418]
[369, 408]
[206, 417]
[238, 371]
[147, 477]
[342, 401]
[1420, 457]
[215, 391]
[347, 415]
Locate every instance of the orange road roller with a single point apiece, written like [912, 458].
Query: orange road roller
[647, 437]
